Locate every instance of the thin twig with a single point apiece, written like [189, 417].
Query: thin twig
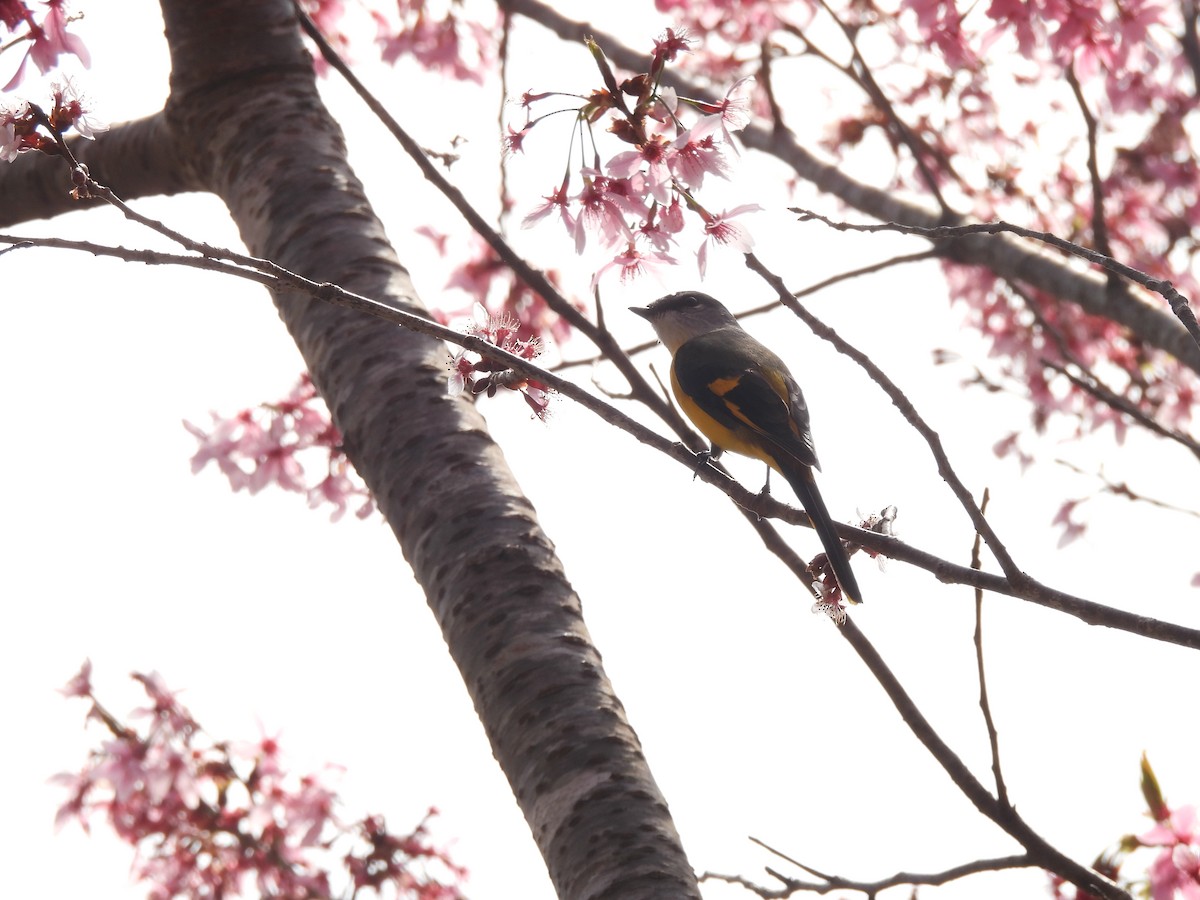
[1093, 385]
[1099, 225]
[984, 705]
[861, 74]
[502, 56]
[1179, 303]
[1122, 489]
[767, 82]
[816, 873]
[871, 888]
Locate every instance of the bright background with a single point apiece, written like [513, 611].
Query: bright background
[754, 716]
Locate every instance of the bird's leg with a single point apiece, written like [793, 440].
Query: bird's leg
[766, 488]
[704, 457]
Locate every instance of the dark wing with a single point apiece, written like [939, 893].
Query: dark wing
[747, 389]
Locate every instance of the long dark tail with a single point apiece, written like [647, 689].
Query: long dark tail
[800, 477]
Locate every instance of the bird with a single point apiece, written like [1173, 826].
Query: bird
[743, 398]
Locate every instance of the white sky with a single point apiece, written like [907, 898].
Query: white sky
[755, 717]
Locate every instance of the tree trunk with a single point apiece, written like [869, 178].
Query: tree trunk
[244, 121]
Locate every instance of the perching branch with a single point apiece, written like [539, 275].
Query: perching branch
[757, 504]
[1011, 570]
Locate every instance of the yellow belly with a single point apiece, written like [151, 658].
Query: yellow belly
[743, 440]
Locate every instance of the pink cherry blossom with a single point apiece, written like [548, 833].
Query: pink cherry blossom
[12, 140]
[452, 43]
[268, 446]
[1072, 528]
[696, 157]
[165, 789]
[600, 214]
[720, 231]
[651, 160]
[513, 139]
[478, 374]
[70, 109]
[662, 226]
[730, 115]
[81, 684]
[556, 200]
[48, 38]
[1175, 872]
[634, 263]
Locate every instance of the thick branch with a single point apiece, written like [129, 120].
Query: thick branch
[135, 159]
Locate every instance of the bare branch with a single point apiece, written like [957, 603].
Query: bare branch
[1179, 303]
[1091, 383]
[860, 72]
[1099, 225]
[984, 705]
[1122, 489]
[1040, 852]
[870, 888]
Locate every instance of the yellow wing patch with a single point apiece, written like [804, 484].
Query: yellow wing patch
[722, 387]
[720, 435]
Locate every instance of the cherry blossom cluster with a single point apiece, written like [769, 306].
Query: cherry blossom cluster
[491, 283]
[26, 126]
[728, 32]
[263, 446]
[824, 578]
[1174, 874]
[48, 36]
[469, 371]
[436, 34]
[215, 818]
[637, 202]
[992, 123]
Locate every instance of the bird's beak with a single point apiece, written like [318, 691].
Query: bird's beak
[643, 311]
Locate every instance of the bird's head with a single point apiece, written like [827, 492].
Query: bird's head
[677, 318]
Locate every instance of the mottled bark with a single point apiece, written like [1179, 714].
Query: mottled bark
[133, 158]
